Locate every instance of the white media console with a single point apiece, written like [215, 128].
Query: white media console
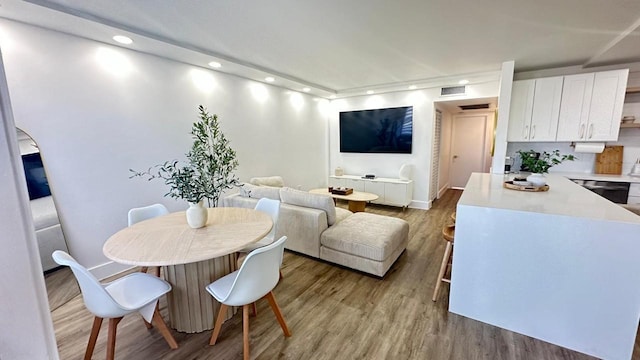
[396, 192]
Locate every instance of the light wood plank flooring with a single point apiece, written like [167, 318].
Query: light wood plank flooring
[333, 313]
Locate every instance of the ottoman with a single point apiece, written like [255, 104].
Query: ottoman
[366, 242]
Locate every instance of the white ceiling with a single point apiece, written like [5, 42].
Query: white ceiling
[347, 47]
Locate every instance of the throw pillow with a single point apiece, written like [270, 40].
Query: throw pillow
[275, 181]
[259, 192]
[315, 201]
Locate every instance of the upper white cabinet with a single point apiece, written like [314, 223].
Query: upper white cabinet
[591, 106]
[535, 109]
[521, 110]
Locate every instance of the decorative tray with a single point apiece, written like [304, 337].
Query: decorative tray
[531, 188]
[343, 191]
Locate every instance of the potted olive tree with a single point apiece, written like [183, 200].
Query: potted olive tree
[539, 164]
[207, 172]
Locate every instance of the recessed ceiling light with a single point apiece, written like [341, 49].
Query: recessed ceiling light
[269, 79]
[306, 89]
[123, 39]
[215, 64]
[332, 96]
[370, 92]
[412, 87]
[463, 82]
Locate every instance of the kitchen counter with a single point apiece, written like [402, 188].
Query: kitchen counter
[599, 177]
[563, 198]
[560, 266]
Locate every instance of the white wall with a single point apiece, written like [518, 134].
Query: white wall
[388, 165]
[27, 330]
[97, 110]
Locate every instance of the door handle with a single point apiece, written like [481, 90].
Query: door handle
[455, 157]
[590, 131]
[533, 131]
[581, 131]
[526, 132]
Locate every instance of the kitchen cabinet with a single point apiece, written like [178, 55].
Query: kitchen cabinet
[535, 109]
[591, 106]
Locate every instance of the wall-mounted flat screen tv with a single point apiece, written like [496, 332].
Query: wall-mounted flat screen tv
[388, 130]
[37, 183]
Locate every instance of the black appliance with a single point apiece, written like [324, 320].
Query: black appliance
[617, 192]
[388, 130]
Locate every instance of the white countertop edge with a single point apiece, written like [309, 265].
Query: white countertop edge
[598, 177]
[563, 198]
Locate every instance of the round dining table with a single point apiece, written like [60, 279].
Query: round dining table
[191, 258]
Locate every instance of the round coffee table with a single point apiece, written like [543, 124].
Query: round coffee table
[357, 200]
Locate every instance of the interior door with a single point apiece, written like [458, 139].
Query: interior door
[467, 147]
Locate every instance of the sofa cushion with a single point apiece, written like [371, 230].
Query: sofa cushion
[315, 201]
[259, 192]
[370, 236]
[275, 181]
[342, 214]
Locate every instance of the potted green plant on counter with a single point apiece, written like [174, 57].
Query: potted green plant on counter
[208, 171]
[539, 164]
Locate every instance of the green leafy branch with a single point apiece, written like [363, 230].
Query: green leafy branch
[544, 162]
[209, 168]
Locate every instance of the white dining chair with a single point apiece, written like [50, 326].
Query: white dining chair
[271, 207]
[255, 280]
[137, 292]
[136, 215]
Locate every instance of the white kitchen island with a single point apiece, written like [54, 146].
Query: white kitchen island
[562, 266]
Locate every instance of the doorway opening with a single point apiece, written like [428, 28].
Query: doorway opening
[463, 138]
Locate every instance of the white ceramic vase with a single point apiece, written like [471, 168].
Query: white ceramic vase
[405, 172]
[537, 179]
[197, 215]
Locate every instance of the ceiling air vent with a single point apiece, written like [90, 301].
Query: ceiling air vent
[474, 107]
[453, 90]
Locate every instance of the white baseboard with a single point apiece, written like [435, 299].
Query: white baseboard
[442, 190]
[424, 205]
[108, 269]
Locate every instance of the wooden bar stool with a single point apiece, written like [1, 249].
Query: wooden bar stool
[448, 233]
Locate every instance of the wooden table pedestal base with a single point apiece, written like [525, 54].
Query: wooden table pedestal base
[357, 206]
[191, 308]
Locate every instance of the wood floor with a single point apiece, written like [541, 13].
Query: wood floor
[333, 313]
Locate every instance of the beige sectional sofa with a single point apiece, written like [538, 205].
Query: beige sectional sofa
[315, 227]
[302, 225]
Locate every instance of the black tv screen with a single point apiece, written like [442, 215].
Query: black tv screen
[388, 130]
[37, 183]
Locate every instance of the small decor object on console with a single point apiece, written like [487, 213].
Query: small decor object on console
[342, 191]
[369, 176]
[405, 172]
[339, 171]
